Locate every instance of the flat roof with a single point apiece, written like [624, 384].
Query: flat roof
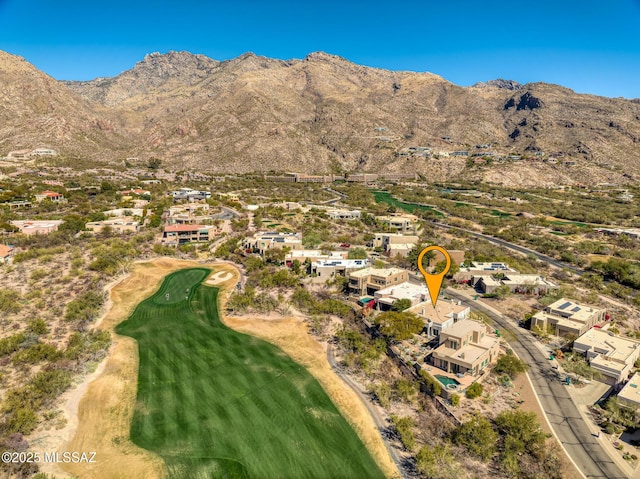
[606, 343]
[383, 272]
[469, 353]
[464, 327]
[443, 311]
[631, 390]
[177, 228]
[403, 290]
[570, 306]
[533, 279]
[26, 224]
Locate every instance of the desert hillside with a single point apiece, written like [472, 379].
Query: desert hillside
[321, 114]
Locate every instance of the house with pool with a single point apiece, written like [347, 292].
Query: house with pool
[465, 349]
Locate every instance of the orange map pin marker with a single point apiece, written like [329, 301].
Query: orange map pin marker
[434, 281]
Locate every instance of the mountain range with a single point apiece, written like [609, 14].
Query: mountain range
[319, 114]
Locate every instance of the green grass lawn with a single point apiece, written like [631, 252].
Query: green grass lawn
[214, 403]
[385, 197]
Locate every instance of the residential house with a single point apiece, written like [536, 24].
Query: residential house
[190, 194]
[465, 348]
[566, 317]
[34, 227]
[312, 255]
[274, 240]
[189, 213]
[529, 284]
[182, 234]
[328, 268]
[394, 244]
[517, 283]
[125, 212]
[403, 223]
[475, 270]
[385, 297]
[51, 196]
[630, 394]
[611, 355]
[19, 155]
[43, 152]
[633, 233]
[116, 225]
[135, 192]
[367, 281]
[6, 253]
[17, 204]
[344, 214]
[444, 315]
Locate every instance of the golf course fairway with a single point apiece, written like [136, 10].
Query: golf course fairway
[215, 403]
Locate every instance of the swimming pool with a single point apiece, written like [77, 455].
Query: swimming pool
[448, 383]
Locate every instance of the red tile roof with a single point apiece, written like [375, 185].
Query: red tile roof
[5, 251]
[50, 193]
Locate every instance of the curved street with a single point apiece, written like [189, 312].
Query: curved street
[563, 415]
[512, 246]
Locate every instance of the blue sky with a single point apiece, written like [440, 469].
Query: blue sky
[590, 46]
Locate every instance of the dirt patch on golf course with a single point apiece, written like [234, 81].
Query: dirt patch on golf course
[105, 411]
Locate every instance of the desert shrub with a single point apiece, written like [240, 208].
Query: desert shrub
[11, 344]
[37, 353]
[37, 326]
[382, 391]
[85, 307]
[404, 429]
[89, 345]
[455, 400]
[9, 301]
[474, 391]
[38, 274]
[405, 390]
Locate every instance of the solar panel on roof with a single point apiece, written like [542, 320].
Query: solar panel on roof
[576, 309]
[565, 305]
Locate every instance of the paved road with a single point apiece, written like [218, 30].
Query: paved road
[380, 421]
[515, 247]
[584, 448]
[334, 200]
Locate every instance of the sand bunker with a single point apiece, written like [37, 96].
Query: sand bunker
[219, 278]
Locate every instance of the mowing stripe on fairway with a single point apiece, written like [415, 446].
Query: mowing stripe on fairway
[215, 403]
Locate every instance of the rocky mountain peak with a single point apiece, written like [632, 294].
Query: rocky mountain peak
[175, 64]
[499, 83]
[325, 57]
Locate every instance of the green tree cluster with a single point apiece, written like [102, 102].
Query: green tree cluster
[399, 326]
[478, 436]
[521, 434]
[509, 364]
